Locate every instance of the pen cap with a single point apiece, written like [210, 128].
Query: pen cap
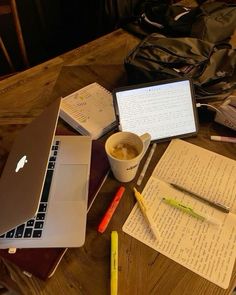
[125, 151]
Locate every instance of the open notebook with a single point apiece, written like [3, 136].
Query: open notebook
[206, 249]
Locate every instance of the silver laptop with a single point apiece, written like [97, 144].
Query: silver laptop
[44, 187]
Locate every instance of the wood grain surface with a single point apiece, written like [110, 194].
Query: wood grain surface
[85, 270]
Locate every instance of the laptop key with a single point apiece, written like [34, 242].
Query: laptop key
[40, 216]
[52, 159]
[2, 236]
[37, 233]
[38, 224]
[47, 185]
[10, 234]
[30, 222]
[19, 231]
[51, 165]
[28, 232]
[42, 207]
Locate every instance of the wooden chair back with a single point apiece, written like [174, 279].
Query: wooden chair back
[8, 7]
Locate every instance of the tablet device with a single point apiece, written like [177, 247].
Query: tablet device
[164, 109]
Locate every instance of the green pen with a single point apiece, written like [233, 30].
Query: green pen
[188, 210]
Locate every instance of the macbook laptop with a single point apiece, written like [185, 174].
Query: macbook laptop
[165, 109]
[44, 187]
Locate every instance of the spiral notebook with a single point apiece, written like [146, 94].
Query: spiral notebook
[89, 110]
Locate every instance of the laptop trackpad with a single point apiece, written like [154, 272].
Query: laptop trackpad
[71, 183]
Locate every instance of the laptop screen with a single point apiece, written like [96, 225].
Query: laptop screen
[165, 110]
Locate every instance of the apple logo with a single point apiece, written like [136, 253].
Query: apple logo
[21, 163]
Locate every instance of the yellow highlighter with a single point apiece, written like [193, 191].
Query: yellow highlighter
[146, 214]
[114, 263]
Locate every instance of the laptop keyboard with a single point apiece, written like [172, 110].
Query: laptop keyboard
[33, 228]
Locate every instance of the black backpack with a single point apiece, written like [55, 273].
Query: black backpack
[212, 69]
[215, 23]
[166, 18]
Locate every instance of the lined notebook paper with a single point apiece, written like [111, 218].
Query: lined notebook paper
[202, 247]
[89, 110]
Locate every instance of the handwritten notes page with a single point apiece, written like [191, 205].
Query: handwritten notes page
[207, 249]
[199, 170]
[89, 110]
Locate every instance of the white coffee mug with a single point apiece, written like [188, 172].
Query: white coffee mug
[125, 170]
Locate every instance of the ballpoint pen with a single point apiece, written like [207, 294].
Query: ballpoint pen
[114, 263]
[189, 210]
[217, 205]
[146, 213]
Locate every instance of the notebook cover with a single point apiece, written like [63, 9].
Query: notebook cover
[42, 262]
[98, 171]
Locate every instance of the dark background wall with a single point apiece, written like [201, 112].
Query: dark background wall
[51, 27]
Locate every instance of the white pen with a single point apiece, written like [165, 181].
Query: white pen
[142, 174]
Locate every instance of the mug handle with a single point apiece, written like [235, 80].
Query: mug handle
[146, 139]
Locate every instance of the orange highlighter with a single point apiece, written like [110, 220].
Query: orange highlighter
[111, 209]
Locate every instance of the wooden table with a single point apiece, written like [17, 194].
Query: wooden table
[142, 271]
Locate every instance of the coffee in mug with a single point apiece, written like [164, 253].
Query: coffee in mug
[124, 151]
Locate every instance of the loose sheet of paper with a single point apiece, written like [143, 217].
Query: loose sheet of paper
[208, 250]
